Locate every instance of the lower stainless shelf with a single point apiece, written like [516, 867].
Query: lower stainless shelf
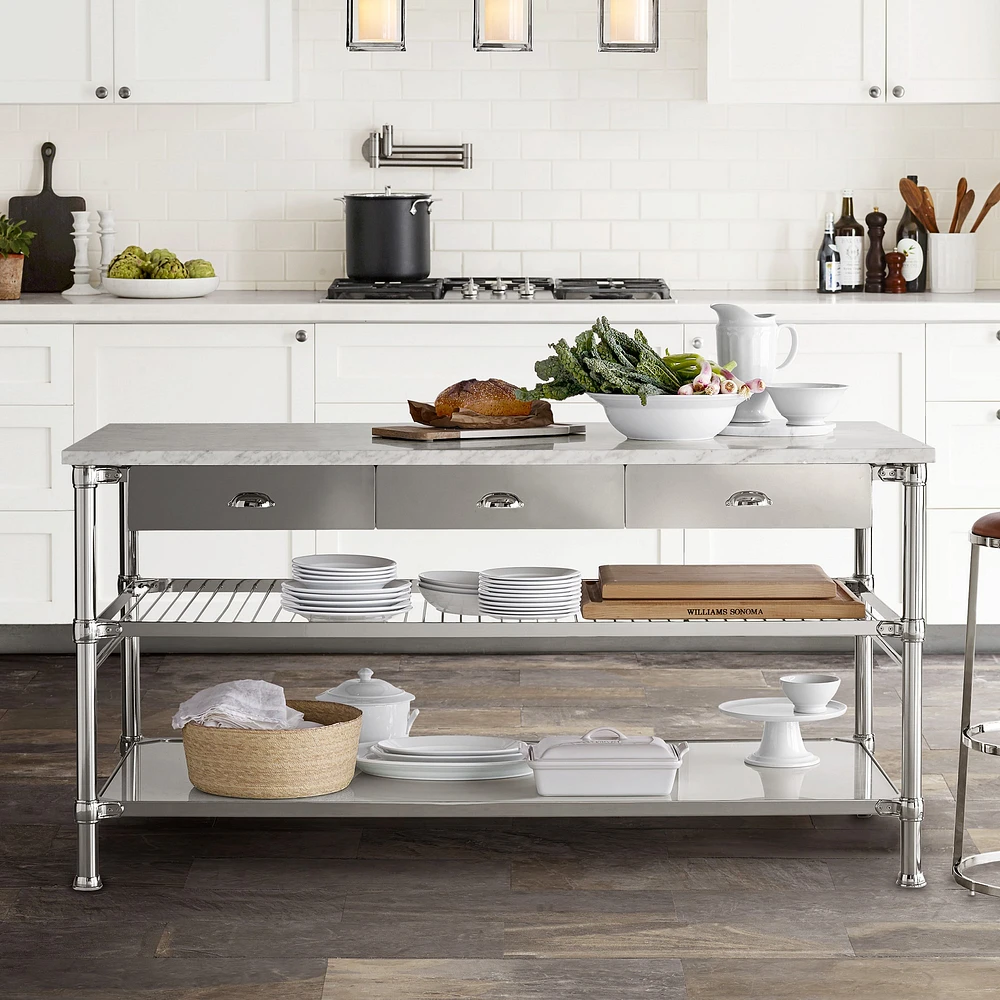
[714, 781]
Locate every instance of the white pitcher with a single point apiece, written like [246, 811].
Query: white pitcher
[751, 340]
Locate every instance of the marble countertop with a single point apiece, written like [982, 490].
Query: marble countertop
[686, 307]
[852, 443]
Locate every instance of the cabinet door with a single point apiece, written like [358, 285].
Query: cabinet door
[948, 569]
[36, 363]
[966, 437]
[204, 51]
[57, 52]
[36, 567]
[211, 373]
[943, 53]
[790, 52]
[884, 369]
[963, 361]
[31, 442]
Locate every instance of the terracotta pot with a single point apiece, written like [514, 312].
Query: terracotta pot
[11, 268]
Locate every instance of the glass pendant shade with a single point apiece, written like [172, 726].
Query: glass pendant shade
[374, 25]
[502, 25]
[630, 26]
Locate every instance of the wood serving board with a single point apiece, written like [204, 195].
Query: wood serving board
[716, 583]
[596, 608]
[418, 432]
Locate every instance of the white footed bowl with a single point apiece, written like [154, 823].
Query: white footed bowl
[806, 404]
[668, 418]
[810, 693]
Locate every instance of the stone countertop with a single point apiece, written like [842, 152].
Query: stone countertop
[686, 307]
[859, 443]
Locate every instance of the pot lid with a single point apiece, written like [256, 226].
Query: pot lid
[387, 193]
[366, 689]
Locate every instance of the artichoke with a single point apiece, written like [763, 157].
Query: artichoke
[157, 257]
[171, 268]
[134, 251]
[199, 268]
[126, 267]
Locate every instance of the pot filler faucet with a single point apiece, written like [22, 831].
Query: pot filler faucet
[380, 150]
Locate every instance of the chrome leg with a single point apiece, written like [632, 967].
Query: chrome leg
[85, 636]
[864, 647]
[128, 572]
[911, 798]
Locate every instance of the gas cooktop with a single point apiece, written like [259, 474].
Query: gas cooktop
[502, 289]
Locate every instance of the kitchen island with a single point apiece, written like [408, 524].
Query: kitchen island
[284, 477]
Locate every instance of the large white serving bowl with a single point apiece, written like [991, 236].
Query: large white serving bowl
[806, 404]
[450, 602]
[668, 418]
[160, 288]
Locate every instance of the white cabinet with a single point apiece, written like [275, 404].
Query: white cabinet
[31, 442]
[194, 373]
[966, 437]
[36, 363]
[853, 52]
[36, 567]
[203, 51]
[963, 361]
[57, 52]
[948, 569]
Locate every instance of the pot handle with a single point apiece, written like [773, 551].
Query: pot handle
[795, 345]
[410, 719]
[428, 201]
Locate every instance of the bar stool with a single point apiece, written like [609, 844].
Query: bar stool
[985, 534]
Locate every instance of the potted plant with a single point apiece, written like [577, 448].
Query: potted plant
[14, 243]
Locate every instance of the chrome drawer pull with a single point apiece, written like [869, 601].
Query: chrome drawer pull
[749, 498]
[507, 501]
[251, 500]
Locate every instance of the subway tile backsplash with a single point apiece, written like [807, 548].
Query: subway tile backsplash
[585, 163]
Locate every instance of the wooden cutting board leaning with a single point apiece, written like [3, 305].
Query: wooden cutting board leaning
[49, 266]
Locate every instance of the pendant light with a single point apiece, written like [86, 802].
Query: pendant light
[503, 25]
[630, 26]
[376, 25]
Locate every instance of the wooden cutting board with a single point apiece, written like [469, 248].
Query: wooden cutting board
[420, 432]
[49, 266]
[843, 605]
[721, 583]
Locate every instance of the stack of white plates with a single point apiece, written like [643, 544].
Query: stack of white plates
[345, 588]
[452, 590]
[446, 758]
[529, 592]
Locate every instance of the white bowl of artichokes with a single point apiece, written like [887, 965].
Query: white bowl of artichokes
[159, 274]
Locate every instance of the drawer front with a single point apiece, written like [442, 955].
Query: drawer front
[963, 361]
[551, 497]
[197, 497]
[36, 364]
[802, 496]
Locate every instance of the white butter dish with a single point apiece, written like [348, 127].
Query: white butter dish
[605, 762]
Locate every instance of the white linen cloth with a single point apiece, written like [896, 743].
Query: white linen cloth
[245, 704]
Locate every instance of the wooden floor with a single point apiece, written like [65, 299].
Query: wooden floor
[557, 910]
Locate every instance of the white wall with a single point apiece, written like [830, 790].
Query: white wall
[586, 163]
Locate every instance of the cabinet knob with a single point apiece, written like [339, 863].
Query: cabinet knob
[749, 498]
[898, 91]
[998, 334]
[696, 343]
[508, 501]
[124, 93]
[301, 336]
[101, 93]
[875, 92]
[251, 500]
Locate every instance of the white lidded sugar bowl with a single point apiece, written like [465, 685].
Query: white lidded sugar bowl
[385, 708]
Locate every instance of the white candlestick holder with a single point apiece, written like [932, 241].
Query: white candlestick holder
[81, 263]
[106, 228]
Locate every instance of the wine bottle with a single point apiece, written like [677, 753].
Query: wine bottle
[915, 268]
[850, 242]
[828, 261]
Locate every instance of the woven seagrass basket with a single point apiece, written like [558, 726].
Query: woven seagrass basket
[276, 763]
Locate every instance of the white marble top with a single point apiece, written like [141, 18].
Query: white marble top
[352, 444]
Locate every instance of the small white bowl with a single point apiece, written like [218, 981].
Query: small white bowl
[668, 418]
[806, 404]
[810, 693]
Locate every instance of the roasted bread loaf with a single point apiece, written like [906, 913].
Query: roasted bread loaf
[492, 398]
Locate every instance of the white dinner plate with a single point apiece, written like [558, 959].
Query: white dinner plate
[340, 561]
[534, 594]
[325, 589]
[486, 602]
[530, 573]
[479, 746]
[514, 755]
[375, 574]
[327, 616]
[378, 765]
[530, 615]
[347, 609]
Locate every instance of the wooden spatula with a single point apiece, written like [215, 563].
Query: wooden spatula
[929, 209]
[963, 187]
[915, 203]
[964, 209]
[990, 202]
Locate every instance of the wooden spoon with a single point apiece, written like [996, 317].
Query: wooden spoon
[964, 209]
[915, 203]
[963, 187]
[990, 202]
[929, 209]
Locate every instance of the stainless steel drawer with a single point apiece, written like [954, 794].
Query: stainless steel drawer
[748, 496]
[521, 497]
[198, 497]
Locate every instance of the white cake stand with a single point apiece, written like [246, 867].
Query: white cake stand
[781, 744]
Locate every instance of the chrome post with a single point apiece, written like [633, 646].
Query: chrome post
[864, 646]
[85, 636]
[127, 575]
[911, 798]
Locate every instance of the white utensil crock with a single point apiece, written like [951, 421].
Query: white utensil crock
[951, 262]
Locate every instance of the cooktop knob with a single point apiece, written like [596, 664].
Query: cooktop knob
[470, 289]
[500, 287]
[527, 289]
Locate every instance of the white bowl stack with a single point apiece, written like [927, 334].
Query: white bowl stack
[446, 758]
[345, 587]
[529, 592]
[454, 591]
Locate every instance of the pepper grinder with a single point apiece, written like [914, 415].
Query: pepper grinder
[895, 282]
[106, 227]
[875, 261]
[81, 262]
